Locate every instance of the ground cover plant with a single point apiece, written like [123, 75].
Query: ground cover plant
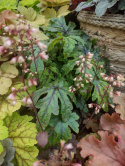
[55, 91]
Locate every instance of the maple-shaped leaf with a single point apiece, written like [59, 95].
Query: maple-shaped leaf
[8, 4]
[107, 151]
[29, 13]
[120, 108]
[51, 13]
[59, 25]
[23, 135]
[33, 19]
[3, 133]
[110, 122]
[10, 151]
[7, 72]
[62, 129]
[28, 2]
[50, 102]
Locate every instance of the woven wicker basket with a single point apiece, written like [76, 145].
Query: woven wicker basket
[111, 27]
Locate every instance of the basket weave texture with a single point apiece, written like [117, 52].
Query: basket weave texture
[111, 26]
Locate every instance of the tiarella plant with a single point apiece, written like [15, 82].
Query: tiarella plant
[62, 83]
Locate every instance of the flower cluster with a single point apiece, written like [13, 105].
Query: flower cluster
[85, 62]
[18, 46]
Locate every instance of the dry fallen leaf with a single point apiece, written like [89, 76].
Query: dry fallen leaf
[92, 123]
[110, 123]
[120, 108]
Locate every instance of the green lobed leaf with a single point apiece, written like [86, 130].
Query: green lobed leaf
[50, 102]
[62, 129]
[58, 25]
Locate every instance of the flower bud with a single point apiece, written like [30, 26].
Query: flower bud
[41, 45]
[90, 105]
[102, 74]
[24, 100]
[34, 82]
[43, 56]
[33, 30]
[13, 103]
[62, 143]
[6, 29]
[20, 59]
[13, 89]
[7, 43]
[30, 82]
[11, 96]
[83, 59]
[29, 101]
[68, 146]
[13, 60]
[89, 55]
[81, 56]
[118, 93]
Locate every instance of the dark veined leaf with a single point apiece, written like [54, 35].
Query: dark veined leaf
[99, 93]
[81, 104]
[68, 43]
[102, 6]
[50, 102]
[121, 5]
[38, 66]
[69, 66]
[58, 25]
[61, 129]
